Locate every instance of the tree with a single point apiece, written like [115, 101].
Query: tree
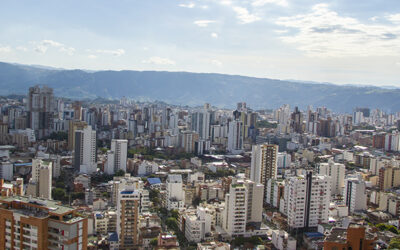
[175, 213]
[172, 223]
[154, 242]
[78, 195]
[120, 172]
[59, 194]
[394, 243]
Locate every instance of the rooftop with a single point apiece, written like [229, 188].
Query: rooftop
[51, 206]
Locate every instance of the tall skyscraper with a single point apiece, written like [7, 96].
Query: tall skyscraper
[243, 205]
[201, 123]
[308, 199]
[74, 125]
[128, 207]
[85, 157]
[175, 195]
[337, 172]
[41, 110]
[235, 137]
[354, 194]
[264, 164]
[117, 156]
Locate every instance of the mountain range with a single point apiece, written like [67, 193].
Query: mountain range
[184, 88]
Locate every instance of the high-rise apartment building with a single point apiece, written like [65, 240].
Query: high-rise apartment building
[128, 207]
[264, 164]
[40, 184]
[117, 156]
[308, 199]
[40, 110]
[74, 125]
[337, 173]
[27, 223]
[389, 177]
[243, 205]
[85, 155]
[175, 198]
[354, 194]
[235, 137]
[201, 123]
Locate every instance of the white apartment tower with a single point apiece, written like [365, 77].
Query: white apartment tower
[40, 184]
[175, 195]
[85, 157]
[354, 193]
[201, 123]
[119, 148]
[337, 173]
[243, 204]
[308, 199]
[264, 164]
[235, 137]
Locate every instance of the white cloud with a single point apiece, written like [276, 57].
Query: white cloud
[395, 18]
[51, 43]
[398, 64]
[117, 52]
[325, 33]
[92, 56]
[204, 7]
[6, 49]
[258, 3]
[22, 48]
[159, 61]
[281, 31]
[44, 45]
[216, 63]
[214, 35]
[225, 2]
[374, 18]
[244, 16]
[188, 5]
[70, 51]
[41, 49]
[203, 23]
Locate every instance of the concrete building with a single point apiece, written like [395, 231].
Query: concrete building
[337, 173]
[128, 207]
[197, 225]
[74, 125]
[243, 205]
[354, 194]
[389, 177]
[175, 197]
[41, 110]
[85, 155]
[200, 122]
[235, 137]
[40, 184]
[264, 164]
[117, 156]
[6, 171]
[282, 240]
[40, 224]
[354, 237]
[307, 199]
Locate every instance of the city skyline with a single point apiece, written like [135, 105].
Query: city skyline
[324, 41]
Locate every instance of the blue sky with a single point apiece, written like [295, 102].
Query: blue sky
[344, 42]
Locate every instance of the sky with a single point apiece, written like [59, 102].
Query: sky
[342, 41]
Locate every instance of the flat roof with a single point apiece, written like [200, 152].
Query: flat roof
[52, 206]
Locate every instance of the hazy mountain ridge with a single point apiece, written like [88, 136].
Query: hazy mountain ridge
[195, 88]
